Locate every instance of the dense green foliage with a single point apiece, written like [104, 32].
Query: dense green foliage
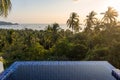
[5, 7]
[100, 40]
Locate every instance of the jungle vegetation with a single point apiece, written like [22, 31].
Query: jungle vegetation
[98, 41]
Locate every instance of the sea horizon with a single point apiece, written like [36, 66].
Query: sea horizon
[31, 26]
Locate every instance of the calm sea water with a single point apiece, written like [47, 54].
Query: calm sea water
[29, 26]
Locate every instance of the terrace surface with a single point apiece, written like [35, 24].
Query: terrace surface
[60, 70]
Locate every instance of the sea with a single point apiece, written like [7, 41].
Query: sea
[30, 26]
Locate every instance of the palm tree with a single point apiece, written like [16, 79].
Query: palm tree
[48, 28]
[51, 35]
[98, 27]
[90, 21]
[5, 7]
[73, 22]
[110, 16]
[55, 27]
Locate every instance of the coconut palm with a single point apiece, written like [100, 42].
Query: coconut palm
[5, 7]
[55, 27]
[90, 20]
[110, 16]
[98, 27]
[73, 22]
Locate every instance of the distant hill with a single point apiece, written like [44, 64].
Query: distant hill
[7, 23]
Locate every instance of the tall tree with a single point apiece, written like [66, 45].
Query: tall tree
[51, 35]
[90, 21]
[55, 27]
[73, 22]
[110, 16]
[5, 7]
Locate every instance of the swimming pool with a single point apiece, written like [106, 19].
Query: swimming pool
[59, 70]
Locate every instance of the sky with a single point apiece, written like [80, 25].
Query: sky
[51, 11]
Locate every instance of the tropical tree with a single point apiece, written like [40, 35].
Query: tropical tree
[97, 27]
[50, 35]
[5, 7]
[90, 21]
[48, 28]
[110, 16]
[73, 22]
[55, 27]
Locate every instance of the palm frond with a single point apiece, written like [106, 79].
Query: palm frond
[5, 7]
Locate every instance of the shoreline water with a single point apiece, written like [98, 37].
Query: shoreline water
[30, 26]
